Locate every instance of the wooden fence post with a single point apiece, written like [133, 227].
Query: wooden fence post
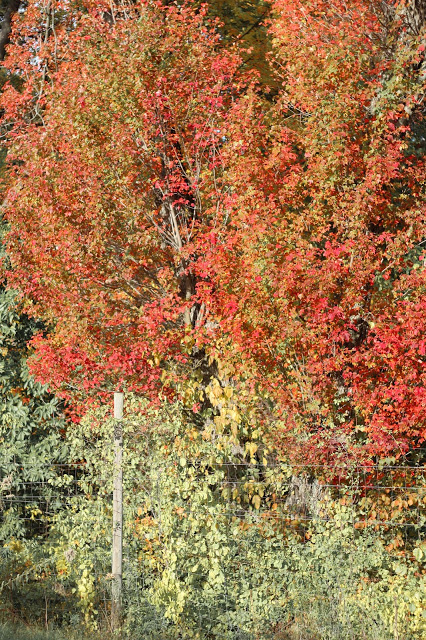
[117, 515]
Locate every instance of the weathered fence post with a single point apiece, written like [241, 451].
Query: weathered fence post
[117, 515]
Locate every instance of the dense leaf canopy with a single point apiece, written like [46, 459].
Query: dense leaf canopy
[166, 217]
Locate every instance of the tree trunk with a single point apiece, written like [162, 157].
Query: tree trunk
[9, 8]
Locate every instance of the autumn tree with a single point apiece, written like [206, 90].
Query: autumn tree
[320, 274]
[160, 212]
[116, 170]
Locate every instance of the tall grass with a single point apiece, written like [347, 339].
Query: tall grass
[12, 632]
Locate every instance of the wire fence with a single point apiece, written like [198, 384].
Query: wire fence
[232, 550]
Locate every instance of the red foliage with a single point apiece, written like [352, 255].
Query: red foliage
[147, 197]
[116, 170]
[320, 278]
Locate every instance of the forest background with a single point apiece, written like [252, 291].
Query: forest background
[218, 209]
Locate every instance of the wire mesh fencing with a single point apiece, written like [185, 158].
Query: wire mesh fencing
[233, 550]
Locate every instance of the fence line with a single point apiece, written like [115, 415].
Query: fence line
[226, 550]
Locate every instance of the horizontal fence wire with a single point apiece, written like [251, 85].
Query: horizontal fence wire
[230, 550]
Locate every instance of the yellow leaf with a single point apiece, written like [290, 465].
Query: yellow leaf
[256, 501]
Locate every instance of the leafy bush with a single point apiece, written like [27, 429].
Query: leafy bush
[204, 559]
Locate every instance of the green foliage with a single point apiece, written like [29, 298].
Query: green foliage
[346, 585]
[182, 543]
[31, 440]
[31, 425]
[204, 560]
[212, 547]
